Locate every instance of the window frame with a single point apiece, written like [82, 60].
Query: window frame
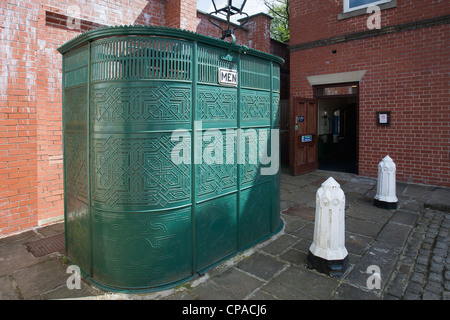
[364, 6]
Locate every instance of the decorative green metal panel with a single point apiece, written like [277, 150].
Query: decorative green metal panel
[216, 225]
[135, 218]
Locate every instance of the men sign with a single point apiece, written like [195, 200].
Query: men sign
[228, 77]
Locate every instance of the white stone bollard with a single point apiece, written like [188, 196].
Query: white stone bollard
[327, 253]
[386, 195]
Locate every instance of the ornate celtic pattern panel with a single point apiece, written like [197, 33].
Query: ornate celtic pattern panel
[254, 214]
[251, 168]
[217, 106]
[136, 172]
[141, 249]
[75, 170]
[216, 229]
[255, 108]
[140, 106]
[276, 110]
[214, 179]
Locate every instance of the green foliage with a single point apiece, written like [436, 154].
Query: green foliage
[279, 10]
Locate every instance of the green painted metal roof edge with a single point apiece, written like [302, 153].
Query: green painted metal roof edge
[159, 31]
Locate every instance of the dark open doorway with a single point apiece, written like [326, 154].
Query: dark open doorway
[338, 127]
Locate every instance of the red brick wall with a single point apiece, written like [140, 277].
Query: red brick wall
[31, 191]
[207, 28]
[407, 73]
[259, 32]
[181, 14]
[314, 20]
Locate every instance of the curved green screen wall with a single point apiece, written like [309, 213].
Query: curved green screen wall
[135, 218]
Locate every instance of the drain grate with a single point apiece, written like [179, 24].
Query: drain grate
[46, 246]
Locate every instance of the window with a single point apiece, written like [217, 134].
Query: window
[351, 5]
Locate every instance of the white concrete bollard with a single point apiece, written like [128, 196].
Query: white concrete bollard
[386, 195]
[327, 253]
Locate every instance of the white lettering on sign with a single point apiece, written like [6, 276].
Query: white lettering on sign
[228, 77]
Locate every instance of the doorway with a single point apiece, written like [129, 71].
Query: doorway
[338, 127]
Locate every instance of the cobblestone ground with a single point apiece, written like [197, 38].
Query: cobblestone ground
[423, 270]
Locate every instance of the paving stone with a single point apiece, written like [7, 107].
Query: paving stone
[280, 244]
[411, 296]
[348, 292]
[295, 257]
[418, 192]
[262, 295]
[412, 206]
[430, 296]
[434, 287]
[400, 279]
[357, 187]
[382, 257]
[362, 227]
[306, 232]
[438, 259]
[414, 287]
[417, 277]
[435, 277]
[420, 268]
[404, 268]
[232, 284]
[422, 259]
[368, 212]
[299, 283]
[395, 290]
[301, 211]
[63, 292]
[436, 267]
[404, 217]
[7, 290]
[52, 275]
[284, 205]
[303, 245]
[447, 275]
[299, 196]
[447, 285]
[356, 244]
[261, 266]
[292, 224]
[15, 255]
[394, 235]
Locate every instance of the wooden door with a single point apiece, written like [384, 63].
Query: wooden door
[304, 153]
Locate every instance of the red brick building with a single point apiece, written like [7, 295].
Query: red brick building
[31, 158]
[382, 86]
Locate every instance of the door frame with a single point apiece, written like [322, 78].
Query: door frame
[318, 96]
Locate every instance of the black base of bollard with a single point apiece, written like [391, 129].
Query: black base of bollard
[385, 205]
[332, 268]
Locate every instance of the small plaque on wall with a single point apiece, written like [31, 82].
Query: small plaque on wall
[383, 118]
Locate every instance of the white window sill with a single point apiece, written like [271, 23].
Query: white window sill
[363, 11]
